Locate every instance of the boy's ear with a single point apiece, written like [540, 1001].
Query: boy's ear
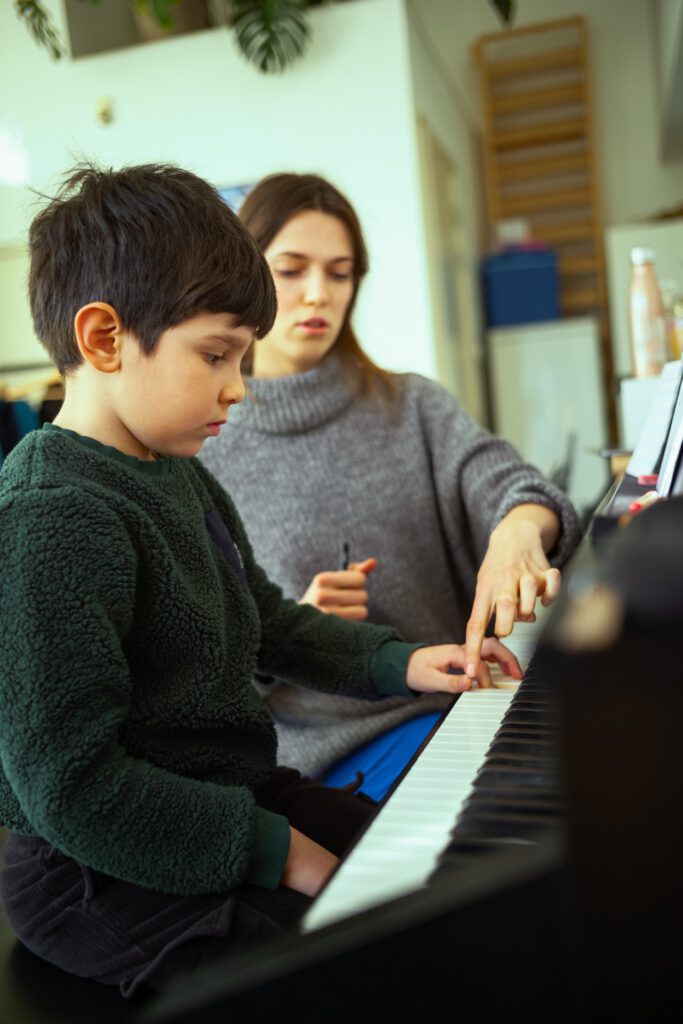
[99, 333]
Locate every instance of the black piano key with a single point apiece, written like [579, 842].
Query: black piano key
[532, 732]
[517, 736]
[528, 760]
[461, 854]
[517, 778]
[532, 743]
[508, 827]
[516, 746]
[525, 716]
[543, 804]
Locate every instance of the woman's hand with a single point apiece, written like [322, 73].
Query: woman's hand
[308, 865]
[440, 668]
[342, 592]
[514, 573]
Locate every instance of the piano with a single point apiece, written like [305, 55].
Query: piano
[543, 882]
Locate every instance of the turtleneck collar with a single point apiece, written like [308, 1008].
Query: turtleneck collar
[297, 403]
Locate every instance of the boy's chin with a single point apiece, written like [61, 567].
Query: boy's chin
[180, 450]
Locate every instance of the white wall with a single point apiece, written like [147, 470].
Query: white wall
[458, 344]
[345, 110]
[669, 29]
[635, 182]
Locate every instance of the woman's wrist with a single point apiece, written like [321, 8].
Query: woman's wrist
[538, 521]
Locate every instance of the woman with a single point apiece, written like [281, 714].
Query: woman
[449, 525]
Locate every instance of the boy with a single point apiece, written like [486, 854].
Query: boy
[151, 830]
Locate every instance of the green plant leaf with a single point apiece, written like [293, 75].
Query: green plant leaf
[506, 10]
[160, 10]
[40, 26]
[270, 33]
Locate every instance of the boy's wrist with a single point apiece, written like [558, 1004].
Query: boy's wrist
[270, 848]
[389, 667]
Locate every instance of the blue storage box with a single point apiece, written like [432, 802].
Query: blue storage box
[520, 286]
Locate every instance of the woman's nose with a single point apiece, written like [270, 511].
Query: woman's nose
[316, 289]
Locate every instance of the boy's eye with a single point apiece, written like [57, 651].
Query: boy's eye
[212, 358]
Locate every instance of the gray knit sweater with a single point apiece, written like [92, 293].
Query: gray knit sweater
[420, 486]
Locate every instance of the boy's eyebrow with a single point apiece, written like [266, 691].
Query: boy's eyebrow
[228, 338]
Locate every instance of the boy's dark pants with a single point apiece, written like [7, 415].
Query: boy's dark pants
[98, 927]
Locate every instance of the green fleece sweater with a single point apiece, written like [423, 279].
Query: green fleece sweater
[133, 617]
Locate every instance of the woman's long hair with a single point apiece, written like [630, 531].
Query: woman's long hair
[271, 203]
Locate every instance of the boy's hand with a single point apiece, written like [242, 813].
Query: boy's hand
[428, 667]
[308, 865]
[342, 592]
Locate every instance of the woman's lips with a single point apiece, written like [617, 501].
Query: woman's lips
[314, 325]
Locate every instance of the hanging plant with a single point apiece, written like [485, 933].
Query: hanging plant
[270, 33]
[39, 24]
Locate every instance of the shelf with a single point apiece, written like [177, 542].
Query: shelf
[520, 66]
[555, 200]
[539, 157]
[538, 99]
[571, 232]
[541, 134]
[521, 170]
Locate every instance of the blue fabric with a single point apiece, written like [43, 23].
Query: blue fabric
[26, 418]
[16, 419]
[384, 758]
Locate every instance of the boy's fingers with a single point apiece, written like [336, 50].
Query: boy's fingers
[457, 682]
[494, 650]
[483, 676]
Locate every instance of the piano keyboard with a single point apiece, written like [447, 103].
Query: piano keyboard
[413, 832]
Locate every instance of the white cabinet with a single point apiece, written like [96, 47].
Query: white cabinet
[547, 400]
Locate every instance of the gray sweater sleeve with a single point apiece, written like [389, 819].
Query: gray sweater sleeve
[478, 477]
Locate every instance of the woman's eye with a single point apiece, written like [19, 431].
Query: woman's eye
[286, 273]
[340, 277]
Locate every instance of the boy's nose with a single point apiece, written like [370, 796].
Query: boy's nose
[233, 391]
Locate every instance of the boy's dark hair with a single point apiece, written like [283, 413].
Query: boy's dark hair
[154, 241]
